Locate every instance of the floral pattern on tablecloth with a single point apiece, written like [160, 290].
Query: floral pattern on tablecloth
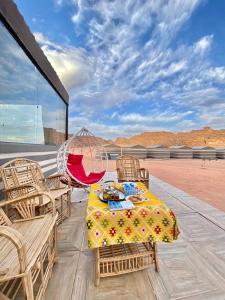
[150, 221]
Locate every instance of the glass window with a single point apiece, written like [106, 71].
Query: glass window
[30, 109]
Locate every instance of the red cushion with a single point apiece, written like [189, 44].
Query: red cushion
[76, 170]
[80, 175]
[96, 177]
[74, 159]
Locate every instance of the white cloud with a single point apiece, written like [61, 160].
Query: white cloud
[114, 114]
[43, 40]
[133, 117]
[131, 124]
[131, 58]
[59, 2]
[77, 16]
[110, 131]
[217, 73]
[155, 117]
[203, 44]
[73, 65]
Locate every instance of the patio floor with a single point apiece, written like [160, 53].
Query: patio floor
[191, 268]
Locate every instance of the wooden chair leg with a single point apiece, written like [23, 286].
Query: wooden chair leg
[69, 203]
[97, 267]
[61, 209]
[55, 243]
[28, 286]
[156, 257]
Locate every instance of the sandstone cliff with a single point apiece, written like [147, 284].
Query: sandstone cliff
[206, 136]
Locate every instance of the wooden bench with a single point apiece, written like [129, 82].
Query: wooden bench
[23, 176]
[28, 248]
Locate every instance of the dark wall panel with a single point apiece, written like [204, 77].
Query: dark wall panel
[15, 148]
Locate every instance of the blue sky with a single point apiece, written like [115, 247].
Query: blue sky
[132, 66]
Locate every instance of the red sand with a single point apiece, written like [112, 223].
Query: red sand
[208, 184]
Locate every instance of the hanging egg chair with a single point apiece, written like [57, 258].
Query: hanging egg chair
[83, 158]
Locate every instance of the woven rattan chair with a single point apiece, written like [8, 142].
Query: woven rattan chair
[23, 176]
[128, 169]
[28, 243]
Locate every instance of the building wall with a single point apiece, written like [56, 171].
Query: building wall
[30, 109]
[33, 101]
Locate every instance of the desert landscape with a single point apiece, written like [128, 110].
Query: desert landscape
[200, 137]
[202, 180]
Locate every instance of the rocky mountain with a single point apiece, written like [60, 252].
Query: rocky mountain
[201, 137]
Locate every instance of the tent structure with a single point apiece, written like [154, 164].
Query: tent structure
[113, 151]
[138, 151]
[204, 152]
[181, 152]
[158, 152]
[220, 153]
[83, 159]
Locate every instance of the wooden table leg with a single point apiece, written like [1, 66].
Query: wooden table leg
[97, 267]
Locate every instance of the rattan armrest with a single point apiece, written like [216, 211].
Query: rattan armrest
[51, 200]
[55, 180]
[3, 271]
[17, 239]
[68, 178]
[143, 173]
[119, 173]
[54, 176]
[28, 197]
[22, 186]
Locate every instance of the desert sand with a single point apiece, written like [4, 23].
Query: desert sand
[205, 182]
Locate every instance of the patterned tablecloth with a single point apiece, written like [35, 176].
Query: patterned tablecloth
[151, 220]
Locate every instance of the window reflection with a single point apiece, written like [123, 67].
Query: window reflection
[30, 109]
[21, 123]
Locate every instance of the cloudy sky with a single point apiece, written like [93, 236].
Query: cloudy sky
[134, 65]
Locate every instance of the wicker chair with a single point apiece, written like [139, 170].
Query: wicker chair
[28, 244]
[23, 176]
[128, 169]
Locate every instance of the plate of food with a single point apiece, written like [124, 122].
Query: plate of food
[136, 199]
[106, 196]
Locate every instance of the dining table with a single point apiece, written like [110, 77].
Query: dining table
[125, 240]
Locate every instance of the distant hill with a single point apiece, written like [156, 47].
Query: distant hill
[206, 136]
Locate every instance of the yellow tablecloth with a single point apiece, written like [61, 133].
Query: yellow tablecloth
[151, 220]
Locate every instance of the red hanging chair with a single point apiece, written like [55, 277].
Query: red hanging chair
[82, 159]
[76, 171]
